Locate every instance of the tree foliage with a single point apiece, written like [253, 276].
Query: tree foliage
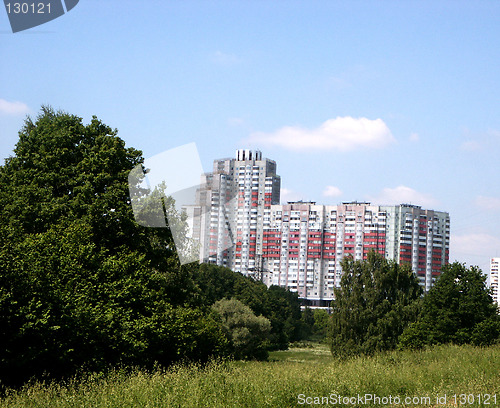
[246, 331]
[279, 305]
[321, 323]
[372, 306]
[307, 320]
[458, 309]
[82, 285]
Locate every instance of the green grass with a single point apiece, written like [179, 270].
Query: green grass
[316, 353]
[278, 383]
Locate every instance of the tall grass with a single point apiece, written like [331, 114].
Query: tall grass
[278, 383]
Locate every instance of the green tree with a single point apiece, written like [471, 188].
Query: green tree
[82, 285]
[246, 331]
[373, 305]
[458, 309]
[279, 305]
[321, 323]
[307, 320]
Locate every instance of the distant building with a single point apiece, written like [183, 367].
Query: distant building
[494, 272]
[420, 238]
[233, 200]
[304, 243]
[300, 245]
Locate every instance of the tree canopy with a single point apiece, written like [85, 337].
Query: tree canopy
[246, 331]
[277, 304]
[82, 285]
[458, 309]
[372, 306]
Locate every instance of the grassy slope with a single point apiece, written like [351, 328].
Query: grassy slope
[309, 371]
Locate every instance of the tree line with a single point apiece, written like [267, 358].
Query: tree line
[380, 306]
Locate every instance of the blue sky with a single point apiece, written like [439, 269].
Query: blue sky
[386, 101]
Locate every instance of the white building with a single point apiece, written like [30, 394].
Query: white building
[304, 243]
[494, 275]
[234, 199]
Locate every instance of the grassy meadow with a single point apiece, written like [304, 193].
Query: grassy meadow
[286, 380]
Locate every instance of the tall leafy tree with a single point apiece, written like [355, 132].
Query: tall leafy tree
[82, 285]
[246, 331]
[458, 309]
[372, 306]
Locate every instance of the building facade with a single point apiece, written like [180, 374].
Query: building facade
[300, 245]
[304, 243]
[233, 200]
[494, 275]
[420, 238]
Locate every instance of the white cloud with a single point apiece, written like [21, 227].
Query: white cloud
[474, 248]
[236, 121]
[480, 141]
[225, 59]
[403, 195]
[414, 137]
[471, 146]
[332, 191]
[474, 244]
[342, 134]
[13, 108]
[495, 134]
[289, 195]
[488, 203]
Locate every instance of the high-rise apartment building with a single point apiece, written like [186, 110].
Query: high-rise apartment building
[300, 245]
[304, 243]
[494, 275]
[233, 200]
[420, 238]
